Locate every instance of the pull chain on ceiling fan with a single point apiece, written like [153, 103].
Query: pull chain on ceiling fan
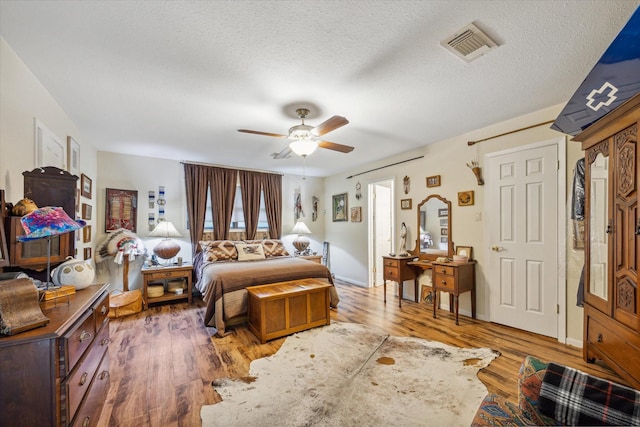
[305, 139]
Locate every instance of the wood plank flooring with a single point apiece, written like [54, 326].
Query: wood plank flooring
[163, 359]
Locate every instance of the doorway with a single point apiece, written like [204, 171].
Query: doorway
[381, 232]
[526, 237]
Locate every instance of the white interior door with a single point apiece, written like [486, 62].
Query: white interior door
[380, 229]
[522, 211]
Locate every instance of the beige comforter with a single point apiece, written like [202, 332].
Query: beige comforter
[223, 285]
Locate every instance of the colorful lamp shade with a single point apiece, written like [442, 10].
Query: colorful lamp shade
[48, 222]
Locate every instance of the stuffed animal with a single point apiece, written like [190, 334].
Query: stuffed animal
[23, 207]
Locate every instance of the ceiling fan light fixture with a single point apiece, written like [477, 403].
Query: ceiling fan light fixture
[303, 147]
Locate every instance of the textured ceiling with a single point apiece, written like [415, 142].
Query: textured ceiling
[176, 79]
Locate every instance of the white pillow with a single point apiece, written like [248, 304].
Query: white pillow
[250, 251]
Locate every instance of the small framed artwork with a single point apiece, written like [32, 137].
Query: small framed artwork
[86, 234]
[426, 294]
[85, 186]
[77, 200]
[443, 212]
[465, 198]
[356, 214]
[87, 253]
[339, 207]
[73, 156]
[443, 239]
[444, 231]
[465, 251]
[433, 181]
[121, 210]
[405, 204]
[86, 211]
[444, 222]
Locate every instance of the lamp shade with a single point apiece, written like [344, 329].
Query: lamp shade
[47, 222]
[300, 228]
[164, 229]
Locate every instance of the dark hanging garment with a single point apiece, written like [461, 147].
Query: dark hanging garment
[577, 201]
[577, 214]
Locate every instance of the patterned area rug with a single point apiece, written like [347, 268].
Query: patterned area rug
[352, 375]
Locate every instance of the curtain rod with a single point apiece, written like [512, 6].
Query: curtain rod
[230, 167]
[470, 143]
[382, 167]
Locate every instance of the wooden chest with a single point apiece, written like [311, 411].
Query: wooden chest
[284, 308]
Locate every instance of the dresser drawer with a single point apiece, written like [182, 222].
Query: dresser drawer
[77, 384]
[614, 342]
[390, 262]
[443, 269]
[101, 310]
[391, 273]
[444, 282]
[75, 342]
[89, 412]
[166, 274]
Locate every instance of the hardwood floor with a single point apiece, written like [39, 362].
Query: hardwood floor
[163, 360]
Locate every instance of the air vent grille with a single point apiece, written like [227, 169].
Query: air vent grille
[469, 43]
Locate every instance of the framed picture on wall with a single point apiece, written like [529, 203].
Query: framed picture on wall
[356, 214]
[87, 253]
[339, 207]
[121, 210]
[85, 186]
[405, 204]
[86, 234]
[73, 156]
[86, 211]
[433, 181]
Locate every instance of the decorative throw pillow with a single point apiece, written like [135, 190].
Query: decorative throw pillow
[273, 248]
[218, 250]
[249, 252]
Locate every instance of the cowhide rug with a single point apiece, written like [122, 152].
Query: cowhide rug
[353, 375]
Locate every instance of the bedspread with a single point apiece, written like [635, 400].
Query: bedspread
[223, 285]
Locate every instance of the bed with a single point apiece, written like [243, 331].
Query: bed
[224, 269]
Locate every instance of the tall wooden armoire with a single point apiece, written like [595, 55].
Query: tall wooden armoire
[612, 241]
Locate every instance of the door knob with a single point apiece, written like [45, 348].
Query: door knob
[496, 248]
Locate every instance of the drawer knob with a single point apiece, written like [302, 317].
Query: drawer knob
[600, 338]
[85, 336]
[85, 423]
[443, 271]
[83, 378]
[104, 341]
[103, 375]
[103, 310]
[444, 282]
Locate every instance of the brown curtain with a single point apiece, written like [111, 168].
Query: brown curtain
[197, 184]
[250, 186]
[272, 189]
[223, 191]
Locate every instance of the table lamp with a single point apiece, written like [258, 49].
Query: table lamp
[167, 248]
[47, 223]
[301, 243]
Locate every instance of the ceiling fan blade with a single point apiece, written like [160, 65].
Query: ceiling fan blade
[335, 147]
[275, 135]
[284, 154]
[327, 126]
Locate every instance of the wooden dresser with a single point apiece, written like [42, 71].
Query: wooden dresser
[58, 375]
[612, 240]
[398, 270]
[454, 278]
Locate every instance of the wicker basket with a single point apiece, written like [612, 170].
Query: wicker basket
[155, 290]
[175, 286]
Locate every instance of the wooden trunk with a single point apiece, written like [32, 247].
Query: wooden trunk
[284, 308]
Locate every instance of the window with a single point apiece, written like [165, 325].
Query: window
[237, 219]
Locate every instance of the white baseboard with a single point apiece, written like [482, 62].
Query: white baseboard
[352, 282]
[574, 342]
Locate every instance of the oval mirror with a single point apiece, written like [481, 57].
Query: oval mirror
[434, 229]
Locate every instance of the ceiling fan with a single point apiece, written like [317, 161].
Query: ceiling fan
[305, 139]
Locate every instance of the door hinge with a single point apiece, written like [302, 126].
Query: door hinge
[557, 308]
[374, 269]
[558, 164]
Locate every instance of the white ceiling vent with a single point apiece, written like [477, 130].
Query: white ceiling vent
[469, 43]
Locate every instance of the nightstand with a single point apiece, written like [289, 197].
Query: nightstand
[399, 270]
[314, 258]
[454, 278]
[164, 275]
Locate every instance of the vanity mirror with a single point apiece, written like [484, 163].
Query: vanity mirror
[434, 229]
